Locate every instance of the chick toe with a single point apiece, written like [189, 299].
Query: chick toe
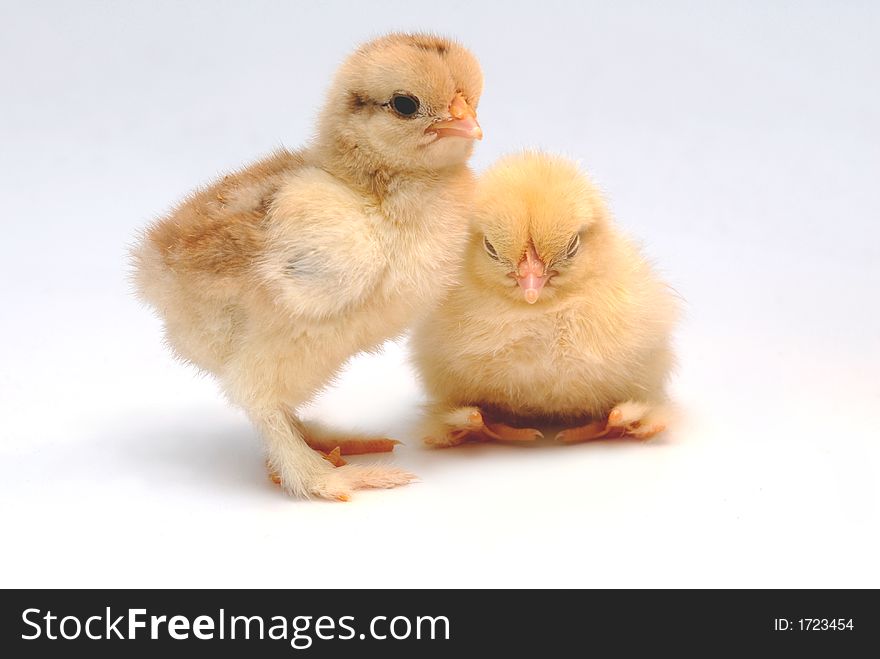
[646, 431]
[584, 433]
[353, 446]
[505, 433]
[340, 483]
[470, 424]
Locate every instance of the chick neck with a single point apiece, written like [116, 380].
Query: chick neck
[369, 172]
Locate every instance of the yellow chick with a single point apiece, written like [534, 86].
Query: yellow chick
[273, 276]
[558, 319]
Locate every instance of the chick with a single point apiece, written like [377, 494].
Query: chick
[558, 319]
[273, 276]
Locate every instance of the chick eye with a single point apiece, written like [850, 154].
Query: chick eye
[573, 246]
[405, 105]
[490, 248]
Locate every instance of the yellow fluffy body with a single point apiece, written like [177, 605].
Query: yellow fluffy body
[273, 276]
[597, 339]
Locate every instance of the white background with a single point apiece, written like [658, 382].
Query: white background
[738, 141]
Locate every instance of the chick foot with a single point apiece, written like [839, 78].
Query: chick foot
[639, 420]
[469, 424]
[339, 484]
[353, 477]
[629, 419]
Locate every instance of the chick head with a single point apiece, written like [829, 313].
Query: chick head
[407, 100]
[539, 229]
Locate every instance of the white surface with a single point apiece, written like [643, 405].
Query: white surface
[739, 142]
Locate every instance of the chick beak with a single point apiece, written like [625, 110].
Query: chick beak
[462, 121]
[531, 275]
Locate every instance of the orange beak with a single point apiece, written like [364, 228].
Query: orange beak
[531, 276]
[462, 121]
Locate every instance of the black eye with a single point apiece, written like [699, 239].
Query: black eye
[405, 105]
[573, 246]
[490, 248]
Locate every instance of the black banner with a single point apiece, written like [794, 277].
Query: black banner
[315, 623]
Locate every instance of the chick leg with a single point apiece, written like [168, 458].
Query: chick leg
[304, 473]
[333, 456]
[461, 424]
[325, 447]
[292, 464]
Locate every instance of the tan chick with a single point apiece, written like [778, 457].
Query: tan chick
[273, 276]
[558, 319]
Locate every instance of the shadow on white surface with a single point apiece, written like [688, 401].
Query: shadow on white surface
[190, 449]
